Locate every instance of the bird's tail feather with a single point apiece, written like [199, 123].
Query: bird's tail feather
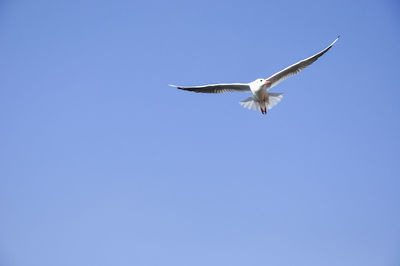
[252, 104]
[274, 99]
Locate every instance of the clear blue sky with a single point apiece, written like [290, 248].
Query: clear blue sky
[101, 163]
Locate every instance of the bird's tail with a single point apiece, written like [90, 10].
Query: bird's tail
[252, 104]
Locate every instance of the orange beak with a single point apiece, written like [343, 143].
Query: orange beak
[267, 82]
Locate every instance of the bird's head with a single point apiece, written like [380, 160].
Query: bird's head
[262, 82]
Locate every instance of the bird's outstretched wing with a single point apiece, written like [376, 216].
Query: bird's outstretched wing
[217, 88]
[296, 68]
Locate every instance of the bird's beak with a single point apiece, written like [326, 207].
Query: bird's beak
[267, 82]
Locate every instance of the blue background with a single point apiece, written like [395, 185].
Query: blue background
[101, 163]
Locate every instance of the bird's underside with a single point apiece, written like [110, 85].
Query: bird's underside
[261, 99]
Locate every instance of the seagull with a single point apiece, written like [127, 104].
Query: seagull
[261, 99]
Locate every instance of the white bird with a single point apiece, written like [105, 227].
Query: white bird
[261, 98]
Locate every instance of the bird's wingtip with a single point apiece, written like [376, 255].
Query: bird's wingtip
[171, 85]
[337, 38]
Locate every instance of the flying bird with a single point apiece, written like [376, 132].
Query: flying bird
[261, 98]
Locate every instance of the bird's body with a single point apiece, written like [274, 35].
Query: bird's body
[261, 99]
[260, 94]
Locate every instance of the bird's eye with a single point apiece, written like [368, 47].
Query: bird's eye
[260, 80]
